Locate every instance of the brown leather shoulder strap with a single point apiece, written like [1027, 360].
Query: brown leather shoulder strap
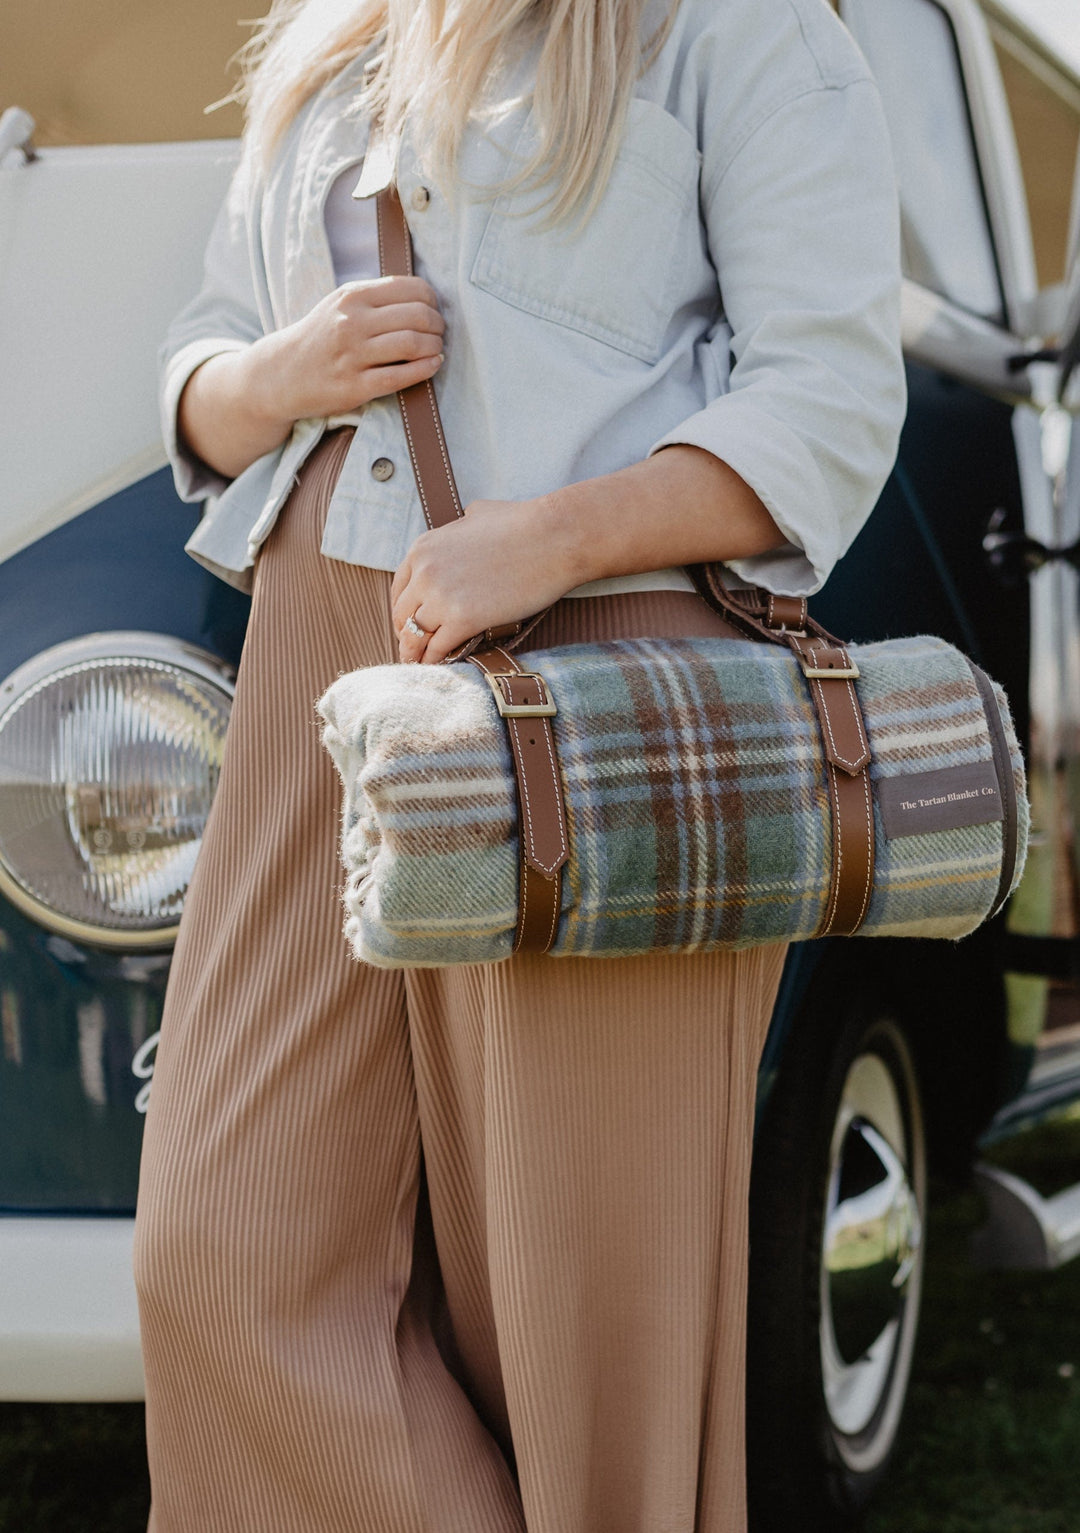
[423, 424]
[521, 696]
[419, 410]
[826, 664]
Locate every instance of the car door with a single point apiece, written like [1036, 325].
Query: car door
[985, 130]
[1030, 1152]
[882, 1051]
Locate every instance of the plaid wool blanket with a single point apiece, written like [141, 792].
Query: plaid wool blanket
[696, 800]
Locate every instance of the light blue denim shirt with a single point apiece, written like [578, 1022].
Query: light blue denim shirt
[737, 288]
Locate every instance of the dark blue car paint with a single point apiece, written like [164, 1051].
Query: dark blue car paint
[119, 565]
[74, 1017]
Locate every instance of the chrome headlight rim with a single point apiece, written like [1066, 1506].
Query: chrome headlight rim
[117, 646]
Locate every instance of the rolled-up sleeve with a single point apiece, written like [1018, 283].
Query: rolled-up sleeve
[223, 316]
[803, 228]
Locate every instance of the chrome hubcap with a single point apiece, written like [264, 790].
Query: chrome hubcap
[872, 1252]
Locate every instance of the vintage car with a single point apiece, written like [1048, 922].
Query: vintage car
[884, 1058]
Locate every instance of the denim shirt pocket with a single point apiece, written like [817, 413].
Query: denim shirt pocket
[617, 278]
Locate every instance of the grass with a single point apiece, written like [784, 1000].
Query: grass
[991, 1438]
[990, 1443]
[73, 1469]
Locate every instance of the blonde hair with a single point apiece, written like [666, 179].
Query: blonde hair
[440, 63]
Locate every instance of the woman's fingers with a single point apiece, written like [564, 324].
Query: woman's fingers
[383, 336]
[380, 381]
[404, 604]
[412, 646]
[415, 630]
[402, 576]
[429, 648]
[375, 311]
[440, 644]
[380, 291]
[402, 346]
[403, 316]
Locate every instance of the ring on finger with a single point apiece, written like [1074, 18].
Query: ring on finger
[412, 626]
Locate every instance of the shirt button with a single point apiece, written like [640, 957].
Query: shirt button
[420, 198]
[382, 469]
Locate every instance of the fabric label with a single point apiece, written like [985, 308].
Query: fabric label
[942, 800]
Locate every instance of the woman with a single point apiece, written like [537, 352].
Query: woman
[558, 1343]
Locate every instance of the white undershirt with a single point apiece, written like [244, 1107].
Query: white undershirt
[353, 237]
[352, 234]
[351, 231]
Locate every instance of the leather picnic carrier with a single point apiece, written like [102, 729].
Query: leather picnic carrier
[665, 794]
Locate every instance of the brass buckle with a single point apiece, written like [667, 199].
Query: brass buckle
[541, 710]
[828, 673]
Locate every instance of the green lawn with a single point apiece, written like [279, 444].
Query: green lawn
[73, 1469]
[991, 1441]
[991, 1438]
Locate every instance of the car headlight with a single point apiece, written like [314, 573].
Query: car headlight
[110, 749]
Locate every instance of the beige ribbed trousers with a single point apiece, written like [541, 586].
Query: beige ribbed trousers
[573, 1359]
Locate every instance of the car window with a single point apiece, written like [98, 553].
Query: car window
[1045, 106]
[947, 245]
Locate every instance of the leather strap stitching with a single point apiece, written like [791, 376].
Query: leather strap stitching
[837, 855]
[556, 910]
[523, 903]
[868, 799]
[416, 466]
[391, 216]
[437, 418]
[818, 688]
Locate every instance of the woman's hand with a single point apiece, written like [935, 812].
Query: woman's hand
[360, 342]
[363, 340]
[503, 561]
[507, 559]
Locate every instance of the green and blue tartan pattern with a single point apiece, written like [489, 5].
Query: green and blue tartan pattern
[696, 797]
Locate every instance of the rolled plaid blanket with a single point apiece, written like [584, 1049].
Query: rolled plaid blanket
[696, 800]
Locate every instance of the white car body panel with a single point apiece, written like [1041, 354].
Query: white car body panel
[99, 247]
[69, 1325]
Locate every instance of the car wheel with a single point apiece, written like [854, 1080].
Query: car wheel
[838, 1207]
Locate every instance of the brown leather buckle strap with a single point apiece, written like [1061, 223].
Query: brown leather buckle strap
[830, 675]
[527, 706]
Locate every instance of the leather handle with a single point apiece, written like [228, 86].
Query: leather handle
[757, 613]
